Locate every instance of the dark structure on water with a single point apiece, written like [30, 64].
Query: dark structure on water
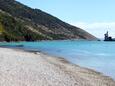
[108, 38]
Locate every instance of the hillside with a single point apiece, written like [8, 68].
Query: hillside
[13, 29]
[19, 22]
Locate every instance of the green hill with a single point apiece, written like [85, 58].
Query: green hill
[19, 22]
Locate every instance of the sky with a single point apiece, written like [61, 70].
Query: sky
[94, 16]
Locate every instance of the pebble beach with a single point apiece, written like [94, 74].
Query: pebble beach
[22, 68]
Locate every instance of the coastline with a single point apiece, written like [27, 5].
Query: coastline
[19, 67]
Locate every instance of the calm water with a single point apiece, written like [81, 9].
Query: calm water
[96, 55]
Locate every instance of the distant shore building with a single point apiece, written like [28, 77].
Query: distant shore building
[108, 38]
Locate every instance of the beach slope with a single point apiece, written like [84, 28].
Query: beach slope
[21, 68]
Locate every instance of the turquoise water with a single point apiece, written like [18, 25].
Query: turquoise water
[98, 55]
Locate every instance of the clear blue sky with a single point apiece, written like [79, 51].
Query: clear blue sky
[78, 11]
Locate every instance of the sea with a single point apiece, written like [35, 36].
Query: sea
[96, 55]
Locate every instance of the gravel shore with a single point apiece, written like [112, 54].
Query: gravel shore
[21, 68]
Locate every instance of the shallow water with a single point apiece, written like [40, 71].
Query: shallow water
[98, 55]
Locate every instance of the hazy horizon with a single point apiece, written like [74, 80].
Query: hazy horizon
[96, 17]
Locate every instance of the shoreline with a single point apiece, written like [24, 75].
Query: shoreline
[63, 60]
[57, 57]
[59, 70]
